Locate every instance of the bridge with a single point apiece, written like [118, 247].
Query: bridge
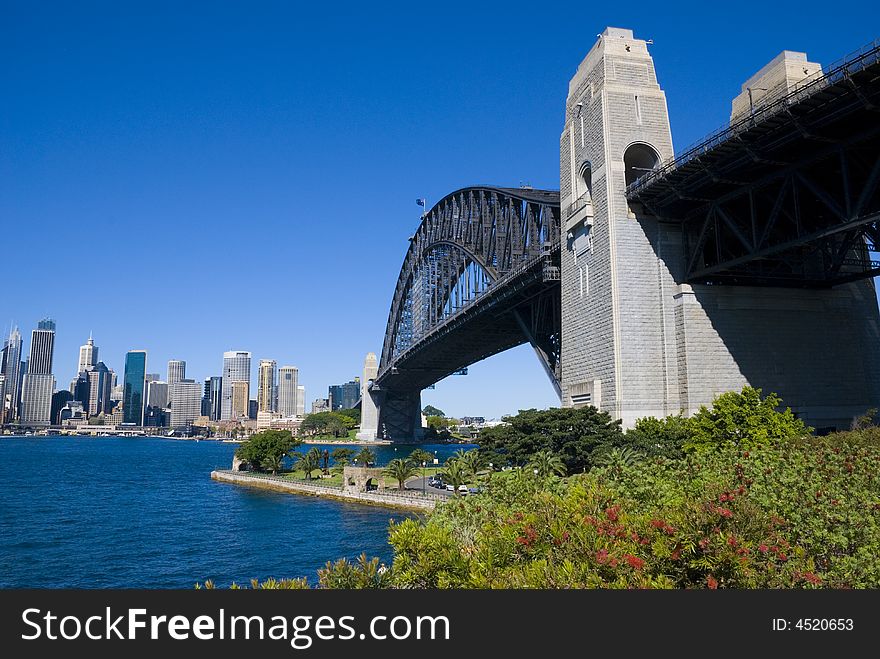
[650, 283]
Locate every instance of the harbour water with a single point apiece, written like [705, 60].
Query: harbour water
[80, 512]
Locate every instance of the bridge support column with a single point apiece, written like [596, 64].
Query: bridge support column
[400, 416]
[369, 407]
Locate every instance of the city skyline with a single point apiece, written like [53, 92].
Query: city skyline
[241, 153]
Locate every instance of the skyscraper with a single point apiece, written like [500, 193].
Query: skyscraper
[300, 401]
[240, 399]
[99, 389]
[211, 399]
[187, 406]
[236, 368]
[176, 371]
[288, 380]
[134, 381]
[88, 355]
[344, 396]
[12, 372]
[158, 394]
[266, 386]
[2, 398]
[38, 383]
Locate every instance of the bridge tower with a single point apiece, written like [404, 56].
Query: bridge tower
[638, 339]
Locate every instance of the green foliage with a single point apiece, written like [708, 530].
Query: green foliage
[365, 457]
[342, 455]
[400, 469]
[267, 449]
[547, 464]
[659, 437]
[474, 461]
[421, 455]
[745, 419]
[336, 424]
[430, 410]
[309, 461]
[574, 435]
[365, 574]
[456, 472]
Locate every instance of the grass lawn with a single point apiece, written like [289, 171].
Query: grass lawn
[334, 480]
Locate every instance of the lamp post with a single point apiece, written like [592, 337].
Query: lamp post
[424, 480]
[751, 102]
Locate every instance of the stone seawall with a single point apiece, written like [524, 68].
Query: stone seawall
[367, 498]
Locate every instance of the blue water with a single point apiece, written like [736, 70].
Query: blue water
[144, 513]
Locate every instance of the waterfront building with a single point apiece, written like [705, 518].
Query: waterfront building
[116, 417]
[2, 399]
[36, 398]
[176, 371]
[344, 396]
[117, 392]
[80, 389]
[156, 417]
[253, 408]
[266, 385]
[300, 401]
[158, 394]
[98, 389]
[12, 373]
[72, 414]
[88, 355]
[134, 382]
[320, 405]
[288, 381]
[59, 400]
[236, 368]
[212, 399]
[264, 419]
[186, 406]
[42, 348]
[239, 399]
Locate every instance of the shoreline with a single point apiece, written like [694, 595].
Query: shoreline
[397, 501]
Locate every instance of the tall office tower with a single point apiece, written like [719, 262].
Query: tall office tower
[59, 400]
[344, 396]
[211, 398]
[38, 383]
[158, 394]
[88, 355]
[176, 371]
[80, 389]
[266, 386]
[288, 380]
[12, 372]
[253, 409]
[187, 407]
[98, 390]
[134, 382]
[300, 401]
[239, 399]
[2, 399]
[236, 368]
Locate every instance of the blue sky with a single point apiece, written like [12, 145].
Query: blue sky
[189, 178]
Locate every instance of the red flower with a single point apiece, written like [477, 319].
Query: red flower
[658, 523]
[812, 578]
[669, 529]
[634, 561]
[602, 555]
[725, 512]
[731, 541]
[745, 454]
[703, 543]
[723, 497]
[612, 513]
[711, 582]
[676, 555]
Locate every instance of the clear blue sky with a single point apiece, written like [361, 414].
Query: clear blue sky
[196, 177]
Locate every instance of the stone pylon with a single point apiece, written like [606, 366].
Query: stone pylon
[369, 409]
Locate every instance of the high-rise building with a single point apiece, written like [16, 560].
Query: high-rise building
[187, 402]
[98, 390]
[158, 394]
[2, 399]
[288, 380]
[266, 385]
[240, 399]
[344, 396]
[300, 401]
[176, 371]
[36, 398]
[117, 392]
[80, 389]
[236, 368]
[211, 398]
[253, 408]
[42, 348]
[133, 383]
[320, 405]
[12, 372]
[59, 400]
[38, 383]
[88, 355]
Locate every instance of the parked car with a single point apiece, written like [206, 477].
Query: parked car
[450, 488]
[474, 490]
[462, 489]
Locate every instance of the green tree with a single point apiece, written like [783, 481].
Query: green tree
[430, 410]
[401, 469]
[420, 455]
[309, 461]
[456, 473]
[473, 460]
[573, 434]
[745, 419]
[268, 447]
[547, 464]
[365, 457]
[342, 455]
[660, 437]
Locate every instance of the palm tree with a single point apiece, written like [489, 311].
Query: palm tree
[474, 461]
[309, 462]
[342, 455]
[271, 463]
[618, 458]
[400, 469]
[547, 464]
[365, 457]
[420, 455]
[455, 473]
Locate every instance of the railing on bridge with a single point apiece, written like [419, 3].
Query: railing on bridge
[771, 104]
